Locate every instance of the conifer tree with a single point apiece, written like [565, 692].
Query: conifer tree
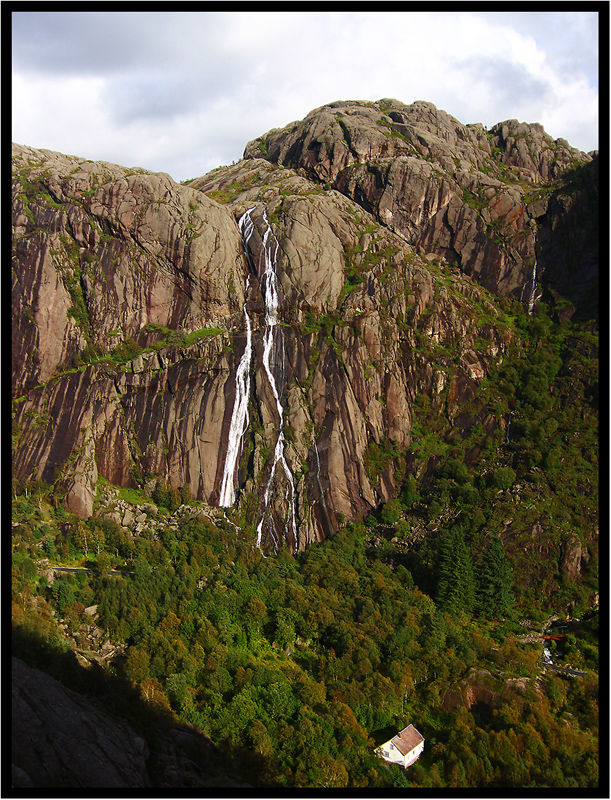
[494, 585]
[456, 586]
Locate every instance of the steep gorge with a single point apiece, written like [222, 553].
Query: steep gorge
[403, 244]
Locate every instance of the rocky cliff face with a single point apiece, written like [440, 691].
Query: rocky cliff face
[457, 190]
[332, 269]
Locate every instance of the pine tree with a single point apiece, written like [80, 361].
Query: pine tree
[494, 589]
[456, 587]
[409, 494]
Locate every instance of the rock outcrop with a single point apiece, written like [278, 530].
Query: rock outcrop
[457, 190]
[475, 692]
[136, 298]
[64, 740]
[60, 739]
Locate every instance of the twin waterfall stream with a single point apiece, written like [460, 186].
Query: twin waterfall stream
[273, 364]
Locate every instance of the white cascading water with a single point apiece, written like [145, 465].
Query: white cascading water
[533, 280]
[547, 653]
[509, 426]
[239, 416]
[531, 301]
[239, 419]
[246, 226]
[269, 286]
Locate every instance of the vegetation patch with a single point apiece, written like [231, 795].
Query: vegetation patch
[378, 457]
[231, 190]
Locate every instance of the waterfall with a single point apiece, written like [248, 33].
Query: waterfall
[273, 363]
[273, 351]
[547, 653]
[239, 416]
[533, 280]
[509, 426]
[247, 226]
[531, 301]
[239, 419]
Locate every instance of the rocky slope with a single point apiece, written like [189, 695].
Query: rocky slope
[345, 293]
[61, 738]
[81, 745]
[473, 196]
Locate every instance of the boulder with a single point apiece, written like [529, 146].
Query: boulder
[571, 558]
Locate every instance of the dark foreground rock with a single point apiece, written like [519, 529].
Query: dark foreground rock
[61, 739]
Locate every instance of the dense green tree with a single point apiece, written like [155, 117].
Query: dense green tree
[103, 563]
[391, 512]
[28, 569]
[137, 664]
[456, 587]
[220, 680]
[494, 581]
[73, 614]
[503, 478]
[403, 529]
[409, 493]
[142, 568]
[63, 593]
[177, 687]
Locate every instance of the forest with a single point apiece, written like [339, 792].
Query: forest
[299, 666]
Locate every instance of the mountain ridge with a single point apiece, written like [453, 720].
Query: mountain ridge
[396, 226]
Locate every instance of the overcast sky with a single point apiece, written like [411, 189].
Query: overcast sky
[183, 92]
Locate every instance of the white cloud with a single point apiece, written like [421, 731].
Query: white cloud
[184, 92]
[59, 112]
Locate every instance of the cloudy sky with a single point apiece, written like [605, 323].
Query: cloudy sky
[183, 92]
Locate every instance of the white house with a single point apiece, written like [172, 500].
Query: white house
[404, 748]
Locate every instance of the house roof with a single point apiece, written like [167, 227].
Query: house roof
[407, 739]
